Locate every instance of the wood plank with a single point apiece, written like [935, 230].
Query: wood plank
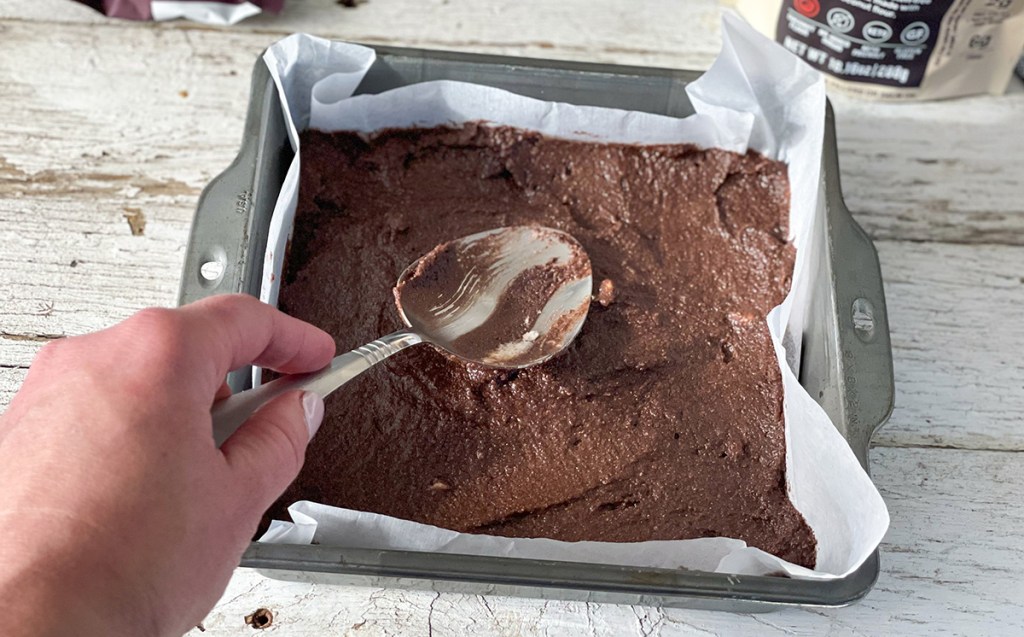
[940, 171]
[950, 564]
[956, 344]
[53, 11]
[11, 377]
[899, 182]
[657, 32]
[72, 267]
[103, 138]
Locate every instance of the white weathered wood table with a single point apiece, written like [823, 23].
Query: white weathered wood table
[109, 121]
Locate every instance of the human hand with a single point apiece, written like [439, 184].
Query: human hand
[119, 514]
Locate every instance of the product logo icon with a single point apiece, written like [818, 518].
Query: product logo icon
[877, 31]
[915, 33]
[980, 41]
[809, 8]
[840, 19]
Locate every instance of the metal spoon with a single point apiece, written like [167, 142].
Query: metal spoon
[511, 298]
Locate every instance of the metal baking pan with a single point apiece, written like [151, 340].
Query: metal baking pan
[846, 358]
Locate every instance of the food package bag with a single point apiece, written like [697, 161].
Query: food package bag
[221, 12]
[756, 95]
[899, 51]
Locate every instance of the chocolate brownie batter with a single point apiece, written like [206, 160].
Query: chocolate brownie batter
[663, 419]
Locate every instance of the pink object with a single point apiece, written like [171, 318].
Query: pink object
[142, 9]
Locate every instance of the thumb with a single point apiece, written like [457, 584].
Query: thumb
[266, 453]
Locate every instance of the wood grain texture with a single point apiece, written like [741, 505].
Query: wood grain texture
[900, 183]
[940, 171]
[105, 118]
[956, 344]
[950, 567]
[658, 32]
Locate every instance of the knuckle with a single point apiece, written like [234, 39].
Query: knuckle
[155, 334]
[53, 348]
[52, 352]
[156, 319]
[225, 302]
[292, 354]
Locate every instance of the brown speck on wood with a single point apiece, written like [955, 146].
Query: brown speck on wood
[260, 618]
[136, 220]
[74, 263]
[183, 93]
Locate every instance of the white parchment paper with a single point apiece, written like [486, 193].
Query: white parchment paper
[756, 95]
[216, 13]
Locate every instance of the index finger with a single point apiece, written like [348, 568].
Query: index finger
[233, 330]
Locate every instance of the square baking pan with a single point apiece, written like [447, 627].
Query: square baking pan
[846, 361]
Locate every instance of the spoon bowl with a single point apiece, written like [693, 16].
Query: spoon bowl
[510, 298]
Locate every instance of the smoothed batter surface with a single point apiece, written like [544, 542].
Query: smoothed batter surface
[663, 420]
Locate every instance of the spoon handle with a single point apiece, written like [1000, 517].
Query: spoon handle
[229, 414]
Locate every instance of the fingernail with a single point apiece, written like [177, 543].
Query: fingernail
[313, 407]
